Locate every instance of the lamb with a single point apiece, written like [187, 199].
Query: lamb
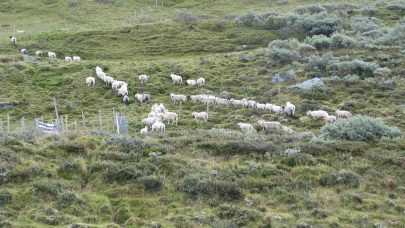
[149, 121]
[125, 99]
[68, 58]
[158, 108]
[200, 82]
[178, 98]
[143, 78]
[176, 79]
[319, 114]
[142, 97]
[245, 127]
[76, 59]
[330, 119]
[158, 127]
[144, 131]
[171, 116]
[52, 55]
[152, 114]
[272, 125]
[90, 81]
[38, 53]
[289, 109]
[13, 40]
[191, 82]
[200, 115]
[24, 51]
[160, 115]
[343, 114]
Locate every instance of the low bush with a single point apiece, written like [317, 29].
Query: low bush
[5, 197]
[383, 72]
[340, 40]
[343, 177]
[241, 217]
[123, 173]
[319, 41]
[356, 66]
[298, 159]
[152, 183]
[321, 63]
[129, 144]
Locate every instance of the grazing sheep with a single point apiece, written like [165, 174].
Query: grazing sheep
[343, 114]
[277, 109]
[90, 81]
[191, 82]
[144, 131]
[158, 108]
[98, 69]
[142, 97]
[236, 103]
[287, 130]
[269, 107]
[143, 78]
[38, 53]
[108, 80]
[149, 121]
[123, 91]
[251, 104]
[52, 55]
[222, 101]
[271, 125]
[178, 98]
[319, 114]
[245, 127]
[76, 59]
[261, 106]
[24, 51]
[152, 114]
[200, 82]
[117, 84]
[171, 116]
[289, 109]
[13, 40]
[176, 79]
[200, 115]
[68, 58]
[158, 127]
[101, 75]
[330, 119]
[125, 99]
[160, 115]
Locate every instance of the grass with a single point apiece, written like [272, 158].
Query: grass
[197, 174]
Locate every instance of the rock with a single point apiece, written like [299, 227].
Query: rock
[309, 84]
[29, 59]
[283, 76]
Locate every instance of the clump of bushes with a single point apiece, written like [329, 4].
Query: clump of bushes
[123, 173]
[186, 17]
[298, 159]
[238, 216]
[283, 51]
[5, 197]
[129, 144]
[319, 41]
[363, 24]
[359, 128]
[343, 177]
[356, 66]
[152, 183]
[340, 40]
[321, 63]
[383, 72]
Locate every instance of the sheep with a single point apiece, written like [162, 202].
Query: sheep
[269, 107]
[117, 84]
[38, 53]
[13, 40]
[76, 59]
[98, 69]
[171, 116]
[343, 114]
[200, 82]
[329, 119]
[200, 115]
[142, 97]
[108, 80]
[261, 106]
[158, 127]
[245, 127]
[143, 78]
[176, 79]
[252, 104]
[276, 109]
[191, 82]
[52, 55]
[125, 99]
[123, 91]
[101, 75]
[235, 102]
[178, 98]
[90, 81]
[287, 129]
[158, 108]
[319, 114]
[68, 58]
[222, 101]
[272, 125]
[149, 121]
[160, 115]
[144, 131]
[289, 109]
[152, 114]
[24, 51]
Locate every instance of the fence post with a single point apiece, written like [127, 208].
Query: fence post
[118, 126]
[66, 123]
[84, 123]
[108, 127]
[22, 123]
[100, 118]
[56, 112]
[113, 120]
[8, 123]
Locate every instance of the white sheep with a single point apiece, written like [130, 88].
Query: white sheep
[149, 121]
[269, 107]
[125, 99]
[176, 79]
[38, 53]
[171, 116]
[200, 115]
[108, 80]
[98, 69]
[24, 51]
[101, 75]
[251, 104]
[319, 114]
[52, 55]
[178, 98]
[68, 58]
[289, 109]
[270, 125]
[191, 82]
[158, 127]
[261, 106]
[287, 129]
[236, 103]
[330, 119]
[143, 78]
[144, 131]
[342, 113]
[200, 82]
[142, 97]
[122, 91]
[277, 109]
[90, 81]
[245, 127]
[76, 59]
[13, 40]
[117, 84]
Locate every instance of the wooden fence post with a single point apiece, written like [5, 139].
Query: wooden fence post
[118, 126]
[22, 126]
[100, 118]
[66, 123]
[56, 112]
[84, 123]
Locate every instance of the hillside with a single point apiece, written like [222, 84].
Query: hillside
[204, 174]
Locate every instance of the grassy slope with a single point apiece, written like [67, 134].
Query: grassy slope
[283, 193]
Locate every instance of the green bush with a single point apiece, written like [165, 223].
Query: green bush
[123, 174]
[252, 19]
[340, 40]
[321, 63]
[319, 41]
[282, 55]
[320, 24]
[383, 72]
[343, 177]
[356, 66]
[298, 159]
[5, 197]
[241, 217]
[359, 128]
[152, 183]
[129, 144]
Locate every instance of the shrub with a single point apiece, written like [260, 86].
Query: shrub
[152, 183]
[321, 63]
[282, 55]
[129, 144]
[356, 66]
[383, 72]
[49, 188]
[340, 40]
[320, 24]
[362, 24]
[298, 159]
[343, 177]
[279, 21]
[241, 217]
[123, 174]
[359, 128]
[319, 41]
[5, 197]
[252, 19]
[186, 17]
[395, 36]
